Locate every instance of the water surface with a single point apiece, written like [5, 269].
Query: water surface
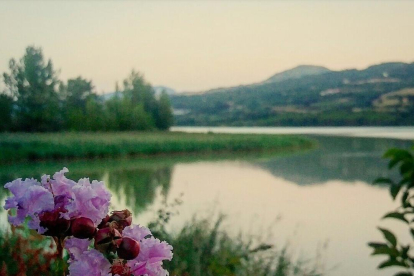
[320, 200]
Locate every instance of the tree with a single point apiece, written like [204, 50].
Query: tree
[138, 91]
[32, 82]
[164, 116]
[6, 105]
[76, 94]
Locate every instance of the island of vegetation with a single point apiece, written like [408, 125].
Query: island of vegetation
[16, 147]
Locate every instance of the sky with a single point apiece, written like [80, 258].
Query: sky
[198, 45]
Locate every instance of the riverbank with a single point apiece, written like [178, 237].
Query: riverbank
[24, 147]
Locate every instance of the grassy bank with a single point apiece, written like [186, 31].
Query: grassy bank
[18, 147]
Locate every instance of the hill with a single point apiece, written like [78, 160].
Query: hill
[307, 96]
[298, 72]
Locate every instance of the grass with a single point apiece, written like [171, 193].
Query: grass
[203, 248]
[23, 147]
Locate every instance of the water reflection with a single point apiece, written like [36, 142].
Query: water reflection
[132, 182]
[336, 158]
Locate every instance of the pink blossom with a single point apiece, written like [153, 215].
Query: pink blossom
[76, 247]
[59, 195]
[152, 253]
[92, 263]
[90, 200]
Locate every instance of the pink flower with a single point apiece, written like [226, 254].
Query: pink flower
[76, 247]
[49, 202]
[152, 253]
[30, 199]
[92, 263]
[90, 200]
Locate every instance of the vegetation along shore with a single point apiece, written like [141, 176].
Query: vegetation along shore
[15, 147]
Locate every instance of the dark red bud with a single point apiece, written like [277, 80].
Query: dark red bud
[128, 249]
[55, 225]
[120, 215]
[104, 222]
[83, 228]
[121, 218]
[106, 239]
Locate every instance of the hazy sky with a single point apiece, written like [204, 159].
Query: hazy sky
[197, 45]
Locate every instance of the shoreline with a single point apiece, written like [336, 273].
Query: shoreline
[82, 146]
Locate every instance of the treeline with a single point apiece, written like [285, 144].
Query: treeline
[35, 100]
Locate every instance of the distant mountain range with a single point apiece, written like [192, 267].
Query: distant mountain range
[308, 95]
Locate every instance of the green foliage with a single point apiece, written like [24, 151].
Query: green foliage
[164, 117]
[397, 254]
[51, 146]
[35, 100]
[6, 105]
[23, 250]
[33, 84]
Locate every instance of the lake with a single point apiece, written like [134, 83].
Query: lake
[320, 202]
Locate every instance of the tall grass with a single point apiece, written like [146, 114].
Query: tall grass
[16, 147]
[203, 248]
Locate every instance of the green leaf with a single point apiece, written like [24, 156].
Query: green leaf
[403, 274]
[397, 156]
[377, 244]
[394, 190]
[390, 237]
[404, 198]
[406, 167]
[392, 252]
[391, 262]
[412, 232]
[384, 180]
[404, 251]
[396, 215]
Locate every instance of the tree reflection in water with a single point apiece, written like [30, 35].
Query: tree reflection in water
[136, 181]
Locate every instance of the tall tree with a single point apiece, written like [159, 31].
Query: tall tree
[6, 106]
[140, 92]
[33, 82]
[77, 92]
[164, 117]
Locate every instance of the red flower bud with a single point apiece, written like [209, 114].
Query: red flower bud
[128, 249]
[55, 225]
[104, 222]
[106, 239]
[122, 218]
[83, 228]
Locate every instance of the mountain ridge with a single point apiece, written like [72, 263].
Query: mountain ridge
[381, 94]
[298, 72]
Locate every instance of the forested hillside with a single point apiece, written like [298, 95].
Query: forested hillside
[379, 95]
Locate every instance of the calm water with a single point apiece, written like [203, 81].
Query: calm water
[311, 200]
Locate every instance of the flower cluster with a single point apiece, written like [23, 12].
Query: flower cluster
[74, 214]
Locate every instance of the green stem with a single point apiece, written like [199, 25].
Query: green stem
[59, 254]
